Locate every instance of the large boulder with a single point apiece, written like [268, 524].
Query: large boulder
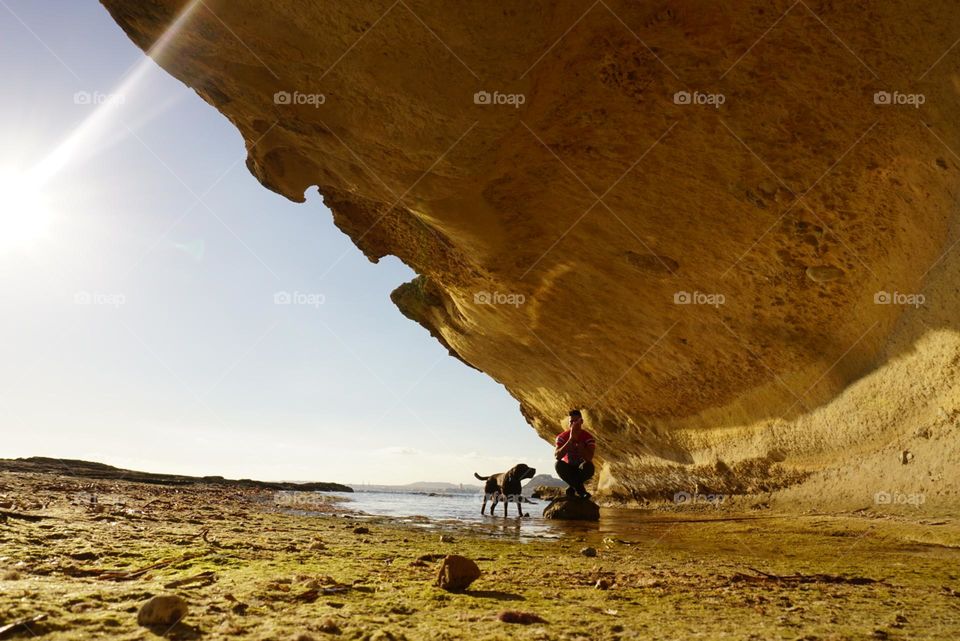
[713, 225]
[572, 509]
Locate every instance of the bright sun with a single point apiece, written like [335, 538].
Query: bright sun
[25, 214]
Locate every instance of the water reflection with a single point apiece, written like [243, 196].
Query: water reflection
[462, 512]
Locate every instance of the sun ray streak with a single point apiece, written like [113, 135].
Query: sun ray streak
[78, 141]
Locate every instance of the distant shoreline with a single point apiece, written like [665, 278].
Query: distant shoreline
[101, 471]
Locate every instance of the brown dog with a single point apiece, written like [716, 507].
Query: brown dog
[505, 485]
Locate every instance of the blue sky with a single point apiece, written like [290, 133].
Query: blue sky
[139, 319]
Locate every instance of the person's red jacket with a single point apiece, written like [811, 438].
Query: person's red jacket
[575, 454]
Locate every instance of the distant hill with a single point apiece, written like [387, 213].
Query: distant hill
[442, 487]
[423, 487]
[545, 479]
[100, 471]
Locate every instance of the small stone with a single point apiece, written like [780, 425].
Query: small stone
[523, 618]
[591, 552]
[906, 456]
[361, 530]
[824, 273]
[303, 637]
[602, 584]
[11, 575]
[446, 538]
[767, 187]
[329, 626]
[457, 573]
[165, 609]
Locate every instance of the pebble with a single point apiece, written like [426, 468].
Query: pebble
[361, 530]
[588, 551]
[457, 573]
[165, 609]
[523, 618]
[824, 273]
[602, 584]
[330, 626]
[446, 538]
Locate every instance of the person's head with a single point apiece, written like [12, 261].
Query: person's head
[576, 419]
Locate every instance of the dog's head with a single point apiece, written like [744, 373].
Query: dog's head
[519, 472]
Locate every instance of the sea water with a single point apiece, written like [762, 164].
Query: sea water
[460, 509]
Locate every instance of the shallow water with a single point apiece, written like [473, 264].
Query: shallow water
[464, 507]
[462, 511]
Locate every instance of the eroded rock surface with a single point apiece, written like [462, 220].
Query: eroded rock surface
[697, 220]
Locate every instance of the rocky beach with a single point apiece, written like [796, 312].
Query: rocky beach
[82, 558]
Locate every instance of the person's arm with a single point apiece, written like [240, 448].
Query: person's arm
[588, 452]
[590, 446]
[562, 448]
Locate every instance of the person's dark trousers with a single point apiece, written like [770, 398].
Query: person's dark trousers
[574, 475]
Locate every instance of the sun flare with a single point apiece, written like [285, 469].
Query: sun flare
[25, 212]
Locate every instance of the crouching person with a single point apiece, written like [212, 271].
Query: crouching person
[574, 454]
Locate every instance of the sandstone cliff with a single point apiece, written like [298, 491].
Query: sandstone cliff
[708, 224]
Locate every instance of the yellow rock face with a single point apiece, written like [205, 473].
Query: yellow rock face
[699, 221]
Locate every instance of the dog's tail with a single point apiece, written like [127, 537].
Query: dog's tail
[482, 478]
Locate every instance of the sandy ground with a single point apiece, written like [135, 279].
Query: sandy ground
[249, 570]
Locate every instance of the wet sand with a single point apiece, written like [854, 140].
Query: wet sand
[251, 569]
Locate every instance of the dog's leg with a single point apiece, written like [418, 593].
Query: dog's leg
[483, 508]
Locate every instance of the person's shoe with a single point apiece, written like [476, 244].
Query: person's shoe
[571, 492]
